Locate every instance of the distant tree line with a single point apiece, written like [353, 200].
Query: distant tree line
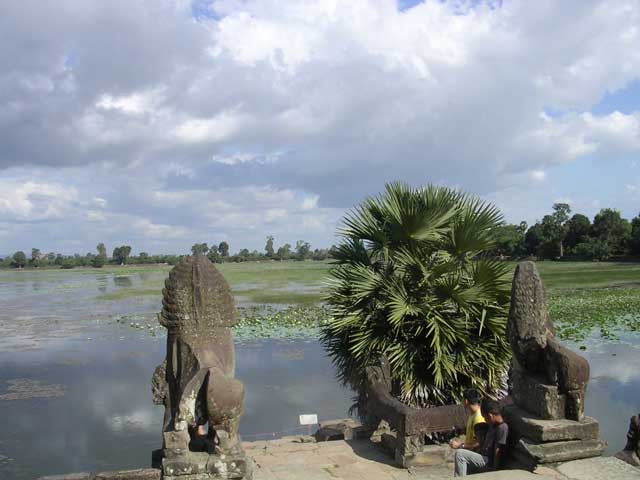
[560, 235]
[302, 251]
[122, 256]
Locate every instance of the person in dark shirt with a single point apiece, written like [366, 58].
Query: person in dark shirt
[481, 432]
[492, 450]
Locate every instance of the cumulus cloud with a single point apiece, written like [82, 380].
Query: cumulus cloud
[266, 117]
[34, 202]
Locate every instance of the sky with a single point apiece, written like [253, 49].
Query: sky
[161, 123]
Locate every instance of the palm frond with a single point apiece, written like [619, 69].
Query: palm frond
[411, 282]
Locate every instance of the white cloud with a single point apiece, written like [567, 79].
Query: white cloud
[246, 157]
[33, 201]
[310, 202]
[275, 213]
[538, 175]
[616, 130]
[100, 202]
[134, 104]
[210, 130]
[279, 115]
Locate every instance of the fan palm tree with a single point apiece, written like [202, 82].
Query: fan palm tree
[411, 282]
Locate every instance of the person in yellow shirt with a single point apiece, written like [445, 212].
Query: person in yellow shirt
[472, 403]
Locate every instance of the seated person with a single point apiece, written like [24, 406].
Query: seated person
[480, 431]
[492, 452]
[472, 405]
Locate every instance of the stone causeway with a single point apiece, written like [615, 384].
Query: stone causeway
[301, 458]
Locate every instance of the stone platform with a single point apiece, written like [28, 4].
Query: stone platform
[299, 458]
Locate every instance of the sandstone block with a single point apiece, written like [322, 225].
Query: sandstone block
[529, 393]
[342, 429]
[190, 463]
[537, 430]
[554, 452]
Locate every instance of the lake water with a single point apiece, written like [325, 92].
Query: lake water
[75, 378]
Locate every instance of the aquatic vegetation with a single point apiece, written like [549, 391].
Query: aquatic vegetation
[584, 297]
[266, 321]
[579, 314]
[255, 322]
[25, 388]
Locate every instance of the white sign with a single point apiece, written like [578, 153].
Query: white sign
[309, 419]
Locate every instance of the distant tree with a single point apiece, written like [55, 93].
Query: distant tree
[214, 255]
[143, 257]
[561, 212]
[578, 228]
[59, 259]
[609, 227]
[554, 231]
[320, 254]
[634, 242]
[51, 257]
[121, 254]
[102, 250]
[533, 239]
[223, 249]
[68, 263]
[199, 249]
[509, 240]
[87, 260]
[268, 248]
[284, 252]
[35, 257]
[302, 250]
[98, 261]
[19, 259]
[173, 259]
[592, 249]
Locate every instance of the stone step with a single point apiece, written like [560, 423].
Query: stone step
[537, 430]
[553, 452]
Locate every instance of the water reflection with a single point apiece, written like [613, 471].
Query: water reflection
[613, 393]
[123, 281]
[106, 420]
[52, 330]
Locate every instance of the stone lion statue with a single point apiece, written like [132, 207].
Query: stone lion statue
[196, 383]
[631, 451]
[538, 356]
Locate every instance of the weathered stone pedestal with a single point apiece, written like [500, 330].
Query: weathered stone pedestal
[203, 460]
[537, 441]
[205, 466]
